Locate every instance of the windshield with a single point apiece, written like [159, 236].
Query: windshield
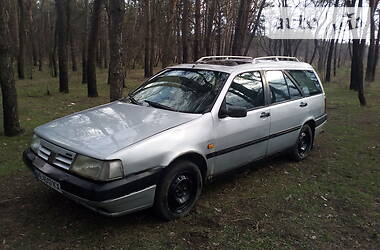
[183, 90]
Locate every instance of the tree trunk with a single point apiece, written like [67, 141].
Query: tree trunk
[22, 38]
[209, 23]
[152, 36]
[185, 31]
[370, 72]
[62, 45]
[256, 25]
[7, 82]
[147, 71]
[329, 60]
[73, 54]
[168, 36]
[197, 29]
[92, 90]
[70, 34]
[357, 69]
[116, 75]
[241, 27]
[377, 46]
[84, 43]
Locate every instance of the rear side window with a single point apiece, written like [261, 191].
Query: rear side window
[293, 90]
[277, 85]
[246, 90]
[307, 80]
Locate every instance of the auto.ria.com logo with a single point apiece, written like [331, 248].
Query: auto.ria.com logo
[316, 23]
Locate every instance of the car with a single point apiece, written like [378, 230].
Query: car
[184, 126]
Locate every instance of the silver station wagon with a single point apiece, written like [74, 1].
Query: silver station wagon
[182, 127]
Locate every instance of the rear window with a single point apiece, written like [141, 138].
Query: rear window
[307, 80]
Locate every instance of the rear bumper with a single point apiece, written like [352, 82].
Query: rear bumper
[108, 198]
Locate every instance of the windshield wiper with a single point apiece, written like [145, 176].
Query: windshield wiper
[159, 105]
[133, 100]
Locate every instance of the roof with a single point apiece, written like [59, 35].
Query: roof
[258, 65]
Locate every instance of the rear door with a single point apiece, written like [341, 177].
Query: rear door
[242, 140]
[288, 111]
[312, 90]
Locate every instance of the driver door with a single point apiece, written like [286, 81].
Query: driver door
[242, 140]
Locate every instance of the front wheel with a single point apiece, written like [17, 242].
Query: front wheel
[179, 190]
[304, 144]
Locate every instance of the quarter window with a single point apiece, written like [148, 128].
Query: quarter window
[307, 80]
[246, 90]
[277, 85]
[293, 90]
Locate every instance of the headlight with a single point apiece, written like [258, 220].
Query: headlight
[97, 169]
[35, 144]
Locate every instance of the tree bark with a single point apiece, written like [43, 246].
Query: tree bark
[197, 29]
[209, 23]
[167, 54]
[11, 121]
[241, 27]
[256, 25]
[22, 38]
[147, 17]
[61, 6]
[92, 90]
[356, 83]
[84, 43]
[370, 71]
[152, 36]
[329, 60]
[185, 31]
[116, 75]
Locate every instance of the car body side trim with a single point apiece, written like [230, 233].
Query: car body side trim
[249, 143]
[321, 119]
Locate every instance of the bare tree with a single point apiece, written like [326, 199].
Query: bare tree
[7, 81]
[61, 6]
[116, 72]
[84, 42]
[371, 65]
[92, 90]
[148, 71]
[185, 31]
[241, 27]
[22, 38]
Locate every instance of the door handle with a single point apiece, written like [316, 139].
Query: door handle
[264, 114]
[303, 104]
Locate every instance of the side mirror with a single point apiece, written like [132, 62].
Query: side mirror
[233, 111]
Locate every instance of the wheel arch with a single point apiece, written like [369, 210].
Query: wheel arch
[196, 158]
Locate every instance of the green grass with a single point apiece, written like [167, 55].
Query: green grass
[330, 200]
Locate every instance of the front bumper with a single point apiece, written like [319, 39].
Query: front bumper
[112, 198]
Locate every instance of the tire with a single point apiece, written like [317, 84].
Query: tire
[180, 188]
[304, 144]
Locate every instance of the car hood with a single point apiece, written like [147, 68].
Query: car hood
[103, 130]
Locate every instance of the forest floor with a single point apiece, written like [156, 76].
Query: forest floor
[330, 200]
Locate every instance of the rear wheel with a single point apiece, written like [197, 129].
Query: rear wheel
[304, 144]
[179, 190]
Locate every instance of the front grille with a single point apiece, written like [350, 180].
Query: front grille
[56, 155]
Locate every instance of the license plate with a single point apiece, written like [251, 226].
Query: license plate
[48, 181]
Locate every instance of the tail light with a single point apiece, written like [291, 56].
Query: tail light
[325, 105]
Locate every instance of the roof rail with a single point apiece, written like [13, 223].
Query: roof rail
[210, 58]
[275, 58]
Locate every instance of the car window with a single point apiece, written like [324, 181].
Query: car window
[293, 90]
[307, 80]
[183, 90]
[277, 85]
[246, 90]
